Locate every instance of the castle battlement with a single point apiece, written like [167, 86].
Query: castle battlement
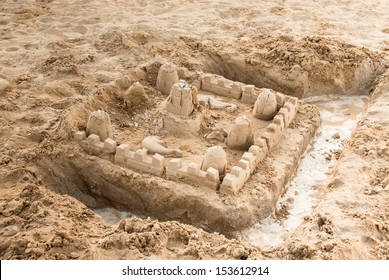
[249, 95]
[140, 160]
[192, 173]
[93, 145]
[281, 121]
[246, 93]
[272, 135]
[238, 176]
[288, 112]
[235, 180]
[221, 86]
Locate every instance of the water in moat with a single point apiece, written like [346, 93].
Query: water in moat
[339, 115]
[111, 215]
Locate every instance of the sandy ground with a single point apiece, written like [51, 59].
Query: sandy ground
[54, 55]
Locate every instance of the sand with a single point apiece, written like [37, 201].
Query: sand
[60, 60]
[340, 115]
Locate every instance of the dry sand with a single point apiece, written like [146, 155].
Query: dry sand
[59, 60]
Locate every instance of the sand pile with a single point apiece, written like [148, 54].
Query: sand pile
[39, 224]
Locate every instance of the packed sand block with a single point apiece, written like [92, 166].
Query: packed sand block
[181, 115]
[235, 180]
[99, 123]
[216, 158]
[249, 94]
[167, 77]
[135, 96]
[154, 144]
[241, 134]
[265, 107]
[182, 99]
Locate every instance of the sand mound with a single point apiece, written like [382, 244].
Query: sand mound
[39, 224]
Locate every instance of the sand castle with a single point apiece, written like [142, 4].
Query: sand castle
[97, 138]
[215, 157]
[182, 114]
[208, 146]
[221, 86]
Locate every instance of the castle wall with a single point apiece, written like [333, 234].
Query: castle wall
[142, 162]
[221, 86]
[234, 180]
[288, 112]
[93, 145]
[191, 173]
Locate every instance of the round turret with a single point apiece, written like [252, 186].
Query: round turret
[167, 77]
[99, 123]
[241, 134]
[215, 157]
[266, 105]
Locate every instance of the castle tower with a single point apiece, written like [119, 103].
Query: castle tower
[215, 157]
[167, 77]
[266, 105]
[241, 134]
[99, 123]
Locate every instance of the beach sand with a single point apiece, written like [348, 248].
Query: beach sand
[59, 60]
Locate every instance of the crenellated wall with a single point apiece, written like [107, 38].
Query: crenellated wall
[246, 93]
[221, 86]
[191, 172]
[234, 180]
[140, 160]
[93, 145]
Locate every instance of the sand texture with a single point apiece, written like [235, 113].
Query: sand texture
[62, 60]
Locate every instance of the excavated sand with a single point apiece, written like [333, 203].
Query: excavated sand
[61, 60]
